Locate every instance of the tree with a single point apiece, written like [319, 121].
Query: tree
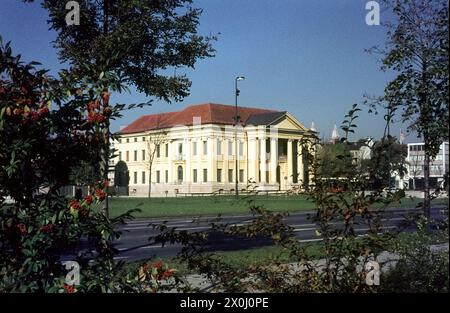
[132, 43]
[335, 159]
[43, 133]
[154, 142]
[86, 173]
[415, 167]
[388, 157]
[417, 48]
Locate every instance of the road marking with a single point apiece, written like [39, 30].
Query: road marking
[304, 229]
[121, 257]
[311, 240]
[136, 228]
[393, 219]
[151, 247]
[299, 225]
[384, 227]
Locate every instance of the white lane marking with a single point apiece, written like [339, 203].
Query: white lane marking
[384, 227]
[393, 219]
[136, 228]
[121, 257]
[304, 229]
[151, 227]
[311, 240]
[151, 247]
[158, 222]
[300, 225]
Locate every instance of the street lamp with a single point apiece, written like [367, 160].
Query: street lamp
[236, 119]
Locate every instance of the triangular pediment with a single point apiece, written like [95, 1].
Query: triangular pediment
[287, 121]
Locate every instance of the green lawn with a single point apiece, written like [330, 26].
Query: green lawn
[209, 205]
[214, 205]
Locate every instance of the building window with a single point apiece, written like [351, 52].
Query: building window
[135, 139]
[194, 148]
[205, 175]
[143, 155]
[135, 155]
[143, 178]
[158, 151]
[194, 175]
[219, 175]
[230, 147]
[219, 147]
[180, 148]
[158, 177]
[241, 148]
[143, 138]
[205, 147]
[120, 155]
[135, 178]
[230, 176]
[127, 156]
[167, 150]
[167, 176]
[128, 140]
[180, 174]
[120, 140]
[241, 176]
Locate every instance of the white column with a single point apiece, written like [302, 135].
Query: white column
[252, 159]
[211, 158]
[289, 161]
[273, 160]
[300, 167]
[187, 144]
[169, 161]
[225, 160]
[262, 166]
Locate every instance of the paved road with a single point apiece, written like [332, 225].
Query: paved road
[134, 243]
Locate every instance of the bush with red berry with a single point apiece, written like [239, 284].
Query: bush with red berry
[47, 127]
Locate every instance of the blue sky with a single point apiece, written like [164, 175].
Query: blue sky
[305, 57]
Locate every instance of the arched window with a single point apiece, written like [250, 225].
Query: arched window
[180, 174]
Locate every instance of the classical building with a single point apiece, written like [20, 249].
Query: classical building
[195, 151]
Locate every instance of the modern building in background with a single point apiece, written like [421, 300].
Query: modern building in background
[438, 168]
[193, 151]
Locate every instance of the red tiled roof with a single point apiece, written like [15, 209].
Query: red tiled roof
[210, 113]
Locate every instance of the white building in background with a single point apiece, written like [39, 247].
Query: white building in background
[439, 166]
[199, 147]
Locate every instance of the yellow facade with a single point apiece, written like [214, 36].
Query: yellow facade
[201, 158]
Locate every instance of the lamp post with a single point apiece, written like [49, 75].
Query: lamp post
[236, 120]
